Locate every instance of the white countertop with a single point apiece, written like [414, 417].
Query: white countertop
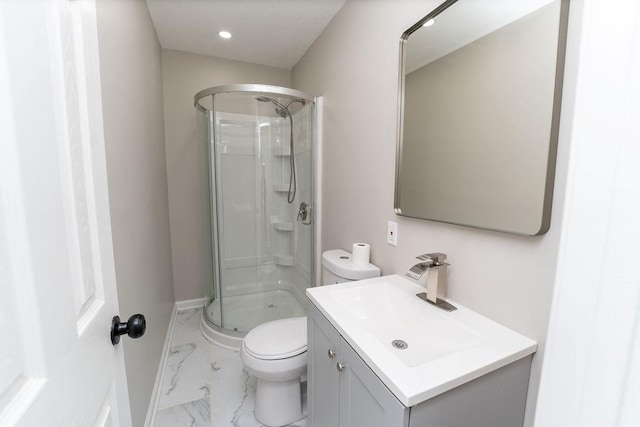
[368, 313]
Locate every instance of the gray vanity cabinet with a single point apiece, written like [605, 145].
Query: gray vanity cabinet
[351, 394]
[364, 400]
[343, 391]
[323, 398]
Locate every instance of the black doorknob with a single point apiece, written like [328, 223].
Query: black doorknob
[135, 327]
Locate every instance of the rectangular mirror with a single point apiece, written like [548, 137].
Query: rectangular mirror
[479, 106]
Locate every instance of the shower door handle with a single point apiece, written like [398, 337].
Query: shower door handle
[304, 212]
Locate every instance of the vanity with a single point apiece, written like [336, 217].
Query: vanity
[380, 356]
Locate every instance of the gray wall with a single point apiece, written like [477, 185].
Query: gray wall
[354, 65]
[185, 74]
[131, 72]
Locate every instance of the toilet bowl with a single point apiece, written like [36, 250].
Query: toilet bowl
[276, 352]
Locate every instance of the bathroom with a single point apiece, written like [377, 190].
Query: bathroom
[548, 288]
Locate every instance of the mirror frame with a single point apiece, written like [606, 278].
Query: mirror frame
[555, 120]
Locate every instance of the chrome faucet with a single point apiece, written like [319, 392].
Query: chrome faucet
[431, 272]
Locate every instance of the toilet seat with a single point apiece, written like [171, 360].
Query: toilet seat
[279, 339]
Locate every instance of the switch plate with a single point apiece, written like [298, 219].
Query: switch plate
[392, 233]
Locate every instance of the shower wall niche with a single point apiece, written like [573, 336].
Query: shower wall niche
[256, 168]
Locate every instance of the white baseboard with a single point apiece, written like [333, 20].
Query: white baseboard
[155, 395]
[190, 303]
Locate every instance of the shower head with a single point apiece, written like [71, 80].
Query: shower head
[281, 109]
[282, 112]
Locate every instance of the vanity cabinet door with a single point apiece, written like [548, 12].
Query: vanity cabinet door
[364, 400]
[323, 380]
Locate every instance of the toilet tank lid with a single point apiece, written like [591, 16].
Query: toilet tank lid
[339, 262]
[279, 339]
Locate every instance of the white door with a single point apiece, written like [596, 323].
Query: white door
[57, 278]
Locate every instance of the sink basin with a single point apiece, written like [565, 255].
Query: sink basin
[389, 315]
[416, 349]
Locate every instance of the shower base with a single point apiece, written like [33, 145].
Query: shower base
[245, 312]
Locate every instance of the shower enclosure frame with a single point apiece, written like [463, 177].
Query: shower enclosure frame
[213, 332]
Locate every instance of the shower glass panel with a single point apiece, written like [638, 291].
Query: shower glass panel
[260, 249]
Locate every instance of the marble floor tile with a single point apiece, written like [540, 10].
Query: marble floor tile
[232, 394]
[205, 384]
[187, 327]
[233, 391]
[191, 414]
[187, 376]
[219, 354]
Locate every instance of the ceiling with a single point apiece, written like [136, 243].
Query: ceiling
[267, 32]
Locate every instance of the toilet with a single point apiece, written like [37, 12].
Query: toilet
[276, 352]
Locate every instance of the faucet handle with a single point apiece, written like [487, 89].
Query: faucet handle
[436, 258]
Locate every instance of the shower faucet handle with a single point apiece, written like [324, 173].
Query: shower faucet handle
[304, 212]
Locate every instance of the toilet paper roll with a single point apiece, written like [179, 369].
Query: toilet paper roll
[360, 253]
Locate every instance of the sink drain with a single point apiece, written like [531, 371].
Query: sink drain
[399, 344]
[271, 306]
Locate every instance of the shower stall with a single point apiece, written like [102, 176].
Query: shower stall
[257, 149]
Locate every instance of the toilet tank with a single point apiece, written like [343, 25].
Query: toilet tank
[337, 267]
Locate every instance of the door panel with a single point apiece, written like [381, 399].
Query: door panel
[107, 417]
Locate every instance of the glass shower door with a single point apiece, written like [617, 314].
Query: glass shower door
[264, 253]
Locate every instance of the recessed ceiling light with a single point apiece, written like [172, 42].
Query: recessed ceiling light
[429, 23]
[225, 34]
